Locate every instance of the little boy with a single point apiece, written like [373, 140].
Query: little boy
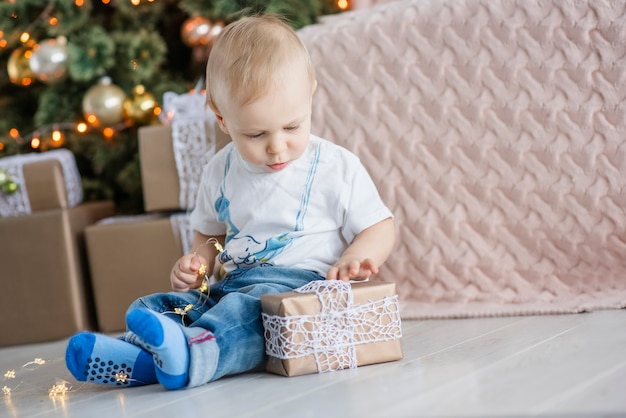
[285, 206]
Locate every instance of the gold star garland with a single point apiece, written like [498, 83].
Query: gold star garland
[12, 374]
[204, 288]
[59, 389]
[121, 376]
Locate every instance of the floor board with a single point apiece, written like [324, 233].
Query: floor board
[560, 365]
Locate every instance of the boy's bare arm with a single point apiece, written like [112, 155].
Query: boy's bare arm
[367, 252]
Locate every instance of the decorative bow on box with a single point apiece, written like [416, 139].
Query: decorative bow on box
[193, 139]
[16, 200]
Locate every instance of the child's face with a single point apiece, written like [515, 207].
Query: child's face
[273, 130]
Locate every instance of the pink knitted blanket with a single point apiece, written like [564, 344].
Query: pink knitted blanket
[496, 132]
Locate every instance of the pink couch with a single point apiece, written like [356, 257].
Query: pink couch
[496, 132]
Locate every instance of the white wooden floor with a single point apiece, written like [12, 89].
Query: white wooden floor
[565, 365]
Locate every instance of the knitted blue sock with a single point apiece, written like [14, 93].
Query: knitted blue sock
[164, 338]
[102, 359]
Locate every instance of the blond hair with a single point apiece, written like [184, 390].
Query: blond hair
[248, 56]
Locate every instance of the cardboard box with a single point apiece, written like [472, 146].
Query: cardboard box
[44, 182]
[319, 332]
[128, 258]
[161, 184]
[45, 284]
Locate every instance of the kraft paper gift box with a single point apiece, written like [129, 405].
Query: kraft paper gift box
[45, 292]
[163, 188]
[48, 180]
[331, 325]
[130, 257]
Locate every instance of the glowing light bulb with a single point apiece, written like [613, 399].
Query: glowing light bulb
[81, 127]
[57, 136]
[108, 133]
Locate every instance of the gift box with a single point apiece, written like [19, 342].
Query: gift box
[46, 181]
[45, 283]
[171, 167]
[331, 325]
[131, 257]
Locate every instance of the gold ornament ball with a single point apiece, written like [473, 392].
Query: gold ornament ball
[103, 104]
[4, 177]
[49, 60]
[197, 31]
[18, 66]
[140, 107]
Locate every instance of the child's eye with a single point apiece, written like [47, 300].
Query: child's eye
[253, 136]
[291, 128]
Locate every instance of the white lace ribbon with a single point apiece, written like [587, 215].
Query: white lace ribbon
[193, 140]
[332, 335]
[18, 203]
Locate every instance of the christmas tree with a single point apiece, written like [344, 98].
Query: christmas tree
[86, 74]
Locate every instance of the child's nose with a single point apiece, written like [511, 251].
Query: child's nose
[276, 145]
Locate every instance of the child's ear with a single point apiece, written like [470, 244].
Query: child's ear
[219, 117]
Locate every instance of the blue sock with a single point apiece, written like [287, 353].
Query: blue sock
[102, 359]
[164, 338]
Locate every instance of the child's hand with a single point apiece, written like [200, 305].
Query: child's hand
[184, 275]
[350, 269]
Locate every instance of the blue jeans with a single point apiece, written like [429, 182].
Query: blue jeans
[225, 331]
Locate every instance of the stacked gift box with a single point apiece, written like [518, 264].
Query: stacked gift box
[326, 326]
[132, 256]
[46, 292]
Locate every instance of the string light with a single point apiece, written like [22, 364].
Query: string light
[204, 287]
[56, 133]
[121, 376]
[108, 133]
[38, 361]
[57, 138]
[81, 127]
[58, 389]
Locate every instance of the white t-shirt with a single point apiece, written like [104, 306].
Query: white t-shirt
[303, 216]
